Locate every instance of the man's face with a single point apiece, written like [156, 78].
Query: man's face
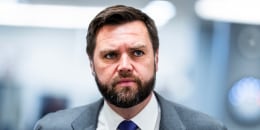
[124, 63]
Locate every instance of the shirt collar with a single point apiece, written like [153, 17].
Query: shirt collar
[111, 119]
[148, 118]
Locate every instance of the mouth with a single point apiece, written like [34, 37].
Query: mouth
[126, 82]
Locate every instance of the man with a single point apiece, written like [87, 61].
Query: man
[122, 45]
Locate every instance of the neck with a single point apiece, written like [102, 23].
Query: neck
[128, 113]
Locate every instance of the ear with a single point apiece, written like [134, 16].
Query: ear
[92, 67]
[156, 59]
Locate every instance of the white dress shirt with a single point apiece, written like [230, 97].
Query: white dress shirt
[147, 119]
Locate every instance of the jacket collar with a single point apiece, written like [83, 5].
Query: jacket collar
[170, 119]
[169, 116]
[88, 119]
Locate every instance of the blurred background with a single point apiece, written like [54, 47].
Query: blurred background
[209, 57]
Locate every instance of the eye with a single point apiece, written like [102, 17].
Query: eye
[110, 55]
[138, 53]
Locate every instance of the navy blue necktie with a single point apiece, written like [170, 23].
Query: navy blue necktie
[127, 125]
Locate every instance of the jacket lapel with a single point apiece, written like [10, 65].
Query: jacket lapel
[170, 119]
[88, 119]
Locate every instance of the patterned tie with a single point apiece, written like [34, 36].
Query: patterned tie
[127, 125]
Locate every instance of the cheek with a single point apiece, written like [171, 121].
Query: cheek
[104, 72]
[146, 70]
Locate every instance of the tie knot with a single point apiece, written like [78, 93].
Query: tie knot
[127, 125]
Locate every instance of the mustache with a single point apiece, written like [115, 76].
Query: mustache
[125, 76]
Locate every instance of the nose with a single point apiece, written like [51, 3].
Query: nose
[125, 64]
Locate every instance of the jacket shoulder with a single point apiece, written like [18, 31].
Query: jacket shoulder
[63, 119]
[185, 118]
[195, 120]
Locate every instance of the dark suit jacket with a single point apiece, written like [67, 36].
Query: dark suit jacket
[173, 117]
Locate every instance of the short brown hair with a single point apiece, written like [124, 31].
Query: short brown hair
[116, 15]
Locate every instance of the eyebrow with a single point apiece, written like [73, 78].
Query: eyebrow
[107, 50]
[137, 47]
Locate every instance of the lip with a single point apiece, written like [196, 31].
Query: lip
[126, 82]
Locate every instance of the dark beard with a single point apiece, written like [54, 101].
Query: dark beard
[126, 97]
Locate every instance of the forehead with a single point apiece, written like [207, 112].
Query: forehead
[131, 32]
